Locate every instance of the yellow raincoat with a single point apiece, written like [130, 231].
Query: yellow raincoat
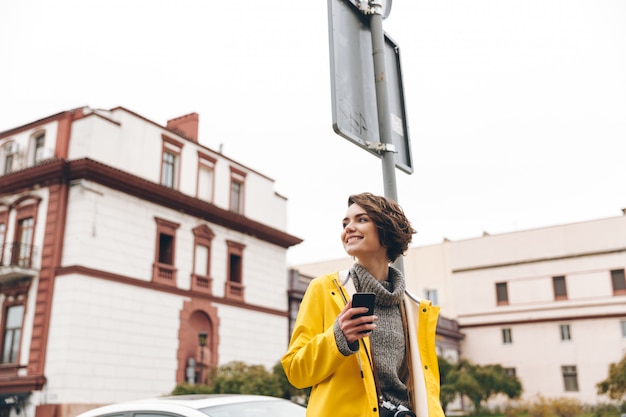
[344, 386]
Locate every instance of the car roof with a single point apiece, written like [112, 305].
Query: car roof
[204, 400]
[175, 403]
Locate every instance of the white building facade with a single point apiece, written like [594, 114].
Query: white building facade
[122, 241]
[548, 304]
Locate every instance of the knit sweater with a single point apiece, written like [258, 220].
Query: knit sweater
[387, 340]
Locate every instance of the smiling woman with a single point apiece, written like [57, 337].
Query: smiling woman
[364, 365]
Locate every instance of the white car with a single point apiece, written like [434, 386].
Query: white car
[199, 405]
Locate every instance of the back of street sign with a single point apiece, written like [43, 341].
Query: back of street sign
[353, 87]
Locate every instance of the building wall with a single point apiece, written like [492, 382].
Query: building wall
[24, 140]
[260, 339]
[110, 342]
[117, 137]
[538, 353]
[584, 253]
[115, 232]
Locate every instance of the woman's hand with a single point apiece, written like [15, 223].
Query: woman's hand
[355, 328]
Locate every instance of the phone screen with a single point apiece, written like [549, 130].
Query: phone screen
[364, 299]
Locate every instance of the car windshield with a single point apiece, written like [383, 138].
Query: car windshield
[277, 408]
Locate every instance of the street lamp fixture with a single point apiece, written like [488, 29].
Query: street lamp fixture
[202, 339]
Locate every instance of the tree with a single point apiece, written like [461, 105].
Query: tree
[467, 384]
[239, 378]
[615, 384]
[447, 389]
[478, 383]
[494, 380]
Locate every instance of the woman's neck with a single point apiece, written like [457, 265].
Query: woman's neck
[376, 268]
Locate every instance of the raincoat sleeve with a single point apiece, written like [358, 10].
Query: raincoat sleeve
[313, 355]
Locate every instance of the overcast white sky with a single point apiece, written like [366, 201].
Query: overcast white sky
[516, 108]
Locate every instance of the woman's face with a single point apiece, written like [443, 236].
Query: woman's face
[360, 236]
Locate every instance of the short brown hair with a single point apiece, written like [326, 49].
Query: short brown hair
[394, 229]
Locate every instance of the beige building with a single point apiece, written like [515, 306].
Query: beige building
[132, 258]
[547, 304]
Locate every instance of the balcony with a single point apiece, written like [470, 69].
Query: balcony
[202, 283]
[164, 274]
[234, 290]
[18, 260]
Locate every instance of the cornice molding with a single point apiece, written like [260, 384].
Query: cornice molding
[155, 286]
[61, 171]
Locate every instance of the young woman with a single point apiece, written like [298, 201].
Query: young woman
[369, 365]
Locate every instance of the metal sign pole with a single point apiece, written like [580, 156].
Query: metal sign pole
[382, 102]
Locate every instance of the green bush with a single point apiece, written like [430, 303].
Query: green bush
[605, 410]
[185, 389]
[239, 378]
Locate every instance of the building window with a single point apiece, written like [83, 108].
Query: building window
[510, 372]
[234, 267]
[168, 177]
[623, 324]
[237, 181]
[23, 248]
[14, 316]
[618, 281]
[9, 152]
[234, 283]
[164, 270]
[502, 293]
[507, 336]
[21, 251]
[566, 333]
[201, 276]
[39, 142]
[570, 377]
[431, 294]
[170, 163]
[206, 177]
[3, 230]
[8, 163]
[560, 290]
[166, 248]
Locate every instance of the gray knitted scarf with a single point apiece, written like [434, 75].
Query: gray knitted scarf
[387, 340]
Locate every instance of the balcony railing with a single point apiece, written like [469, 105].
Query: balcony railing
[164, 274]
[234, 290]
[18, 254]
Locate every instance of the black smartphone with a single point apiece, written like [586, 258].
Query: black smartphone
[364, 299]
